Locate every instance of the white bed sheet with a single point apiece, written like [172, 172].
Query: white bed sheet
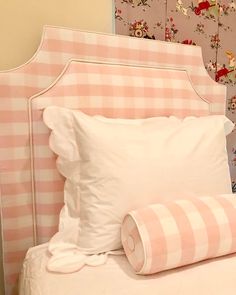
[212, 277]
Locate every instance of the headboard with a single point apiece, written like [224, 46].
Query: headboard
[58, 45]
[112, 90]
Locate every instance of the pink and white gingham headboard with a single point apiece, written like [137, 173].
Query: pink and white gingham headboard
[58, 45]
[111, 90]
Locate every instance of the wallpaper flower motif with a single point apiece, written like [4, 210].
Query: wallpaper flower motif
[170, 30]
[140, 29]
[207, 9]
[135, 3]
[232, 104]
[210, 24]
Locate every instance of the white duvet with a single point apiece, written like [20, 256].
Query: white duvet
[116, 277]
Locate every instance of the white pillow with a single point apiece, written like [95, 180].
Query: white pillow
[124, 166]
[63, 143]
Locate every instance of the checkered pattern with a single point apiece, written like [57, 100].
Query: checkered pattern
[16, 86]
[165, 236]
[108, 90]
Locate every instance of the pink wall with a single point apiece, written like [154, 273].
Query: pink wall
[209, 24]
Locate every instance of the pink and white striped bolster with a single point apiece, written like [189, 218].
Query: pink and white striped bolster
[166, 236]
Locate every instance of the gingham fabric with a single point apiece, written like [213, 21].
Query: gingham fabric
[108, 90]
[166, 236]
[16, 86]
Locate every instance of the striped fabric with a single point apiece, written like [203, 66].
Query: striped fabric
[166, 236]
[17, 85]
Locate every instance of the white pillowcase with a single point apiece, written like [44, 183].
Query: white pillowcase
[63, 143]
[120, 167]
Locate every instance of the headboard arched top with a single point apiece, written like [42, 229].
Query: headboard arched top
[108, 89]
[138, 51]
[58, 45]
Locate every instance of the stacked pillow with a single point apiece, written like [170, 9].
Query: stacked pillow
[113, 166]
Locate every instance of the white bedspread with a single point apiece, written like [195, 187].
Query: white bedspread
[212, 277]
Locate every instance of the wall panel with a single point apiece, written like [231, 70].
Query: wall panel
[209, 24]
[21, 23]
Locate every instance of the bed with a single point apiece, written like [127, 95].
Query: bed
[119, 91]
[215, 277]
[32, 191]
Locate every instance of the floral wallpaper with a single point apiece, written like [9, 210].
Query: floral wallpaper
[209, 24]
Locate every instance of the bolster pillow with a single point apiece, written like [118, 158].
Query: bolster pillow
[166, 236]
